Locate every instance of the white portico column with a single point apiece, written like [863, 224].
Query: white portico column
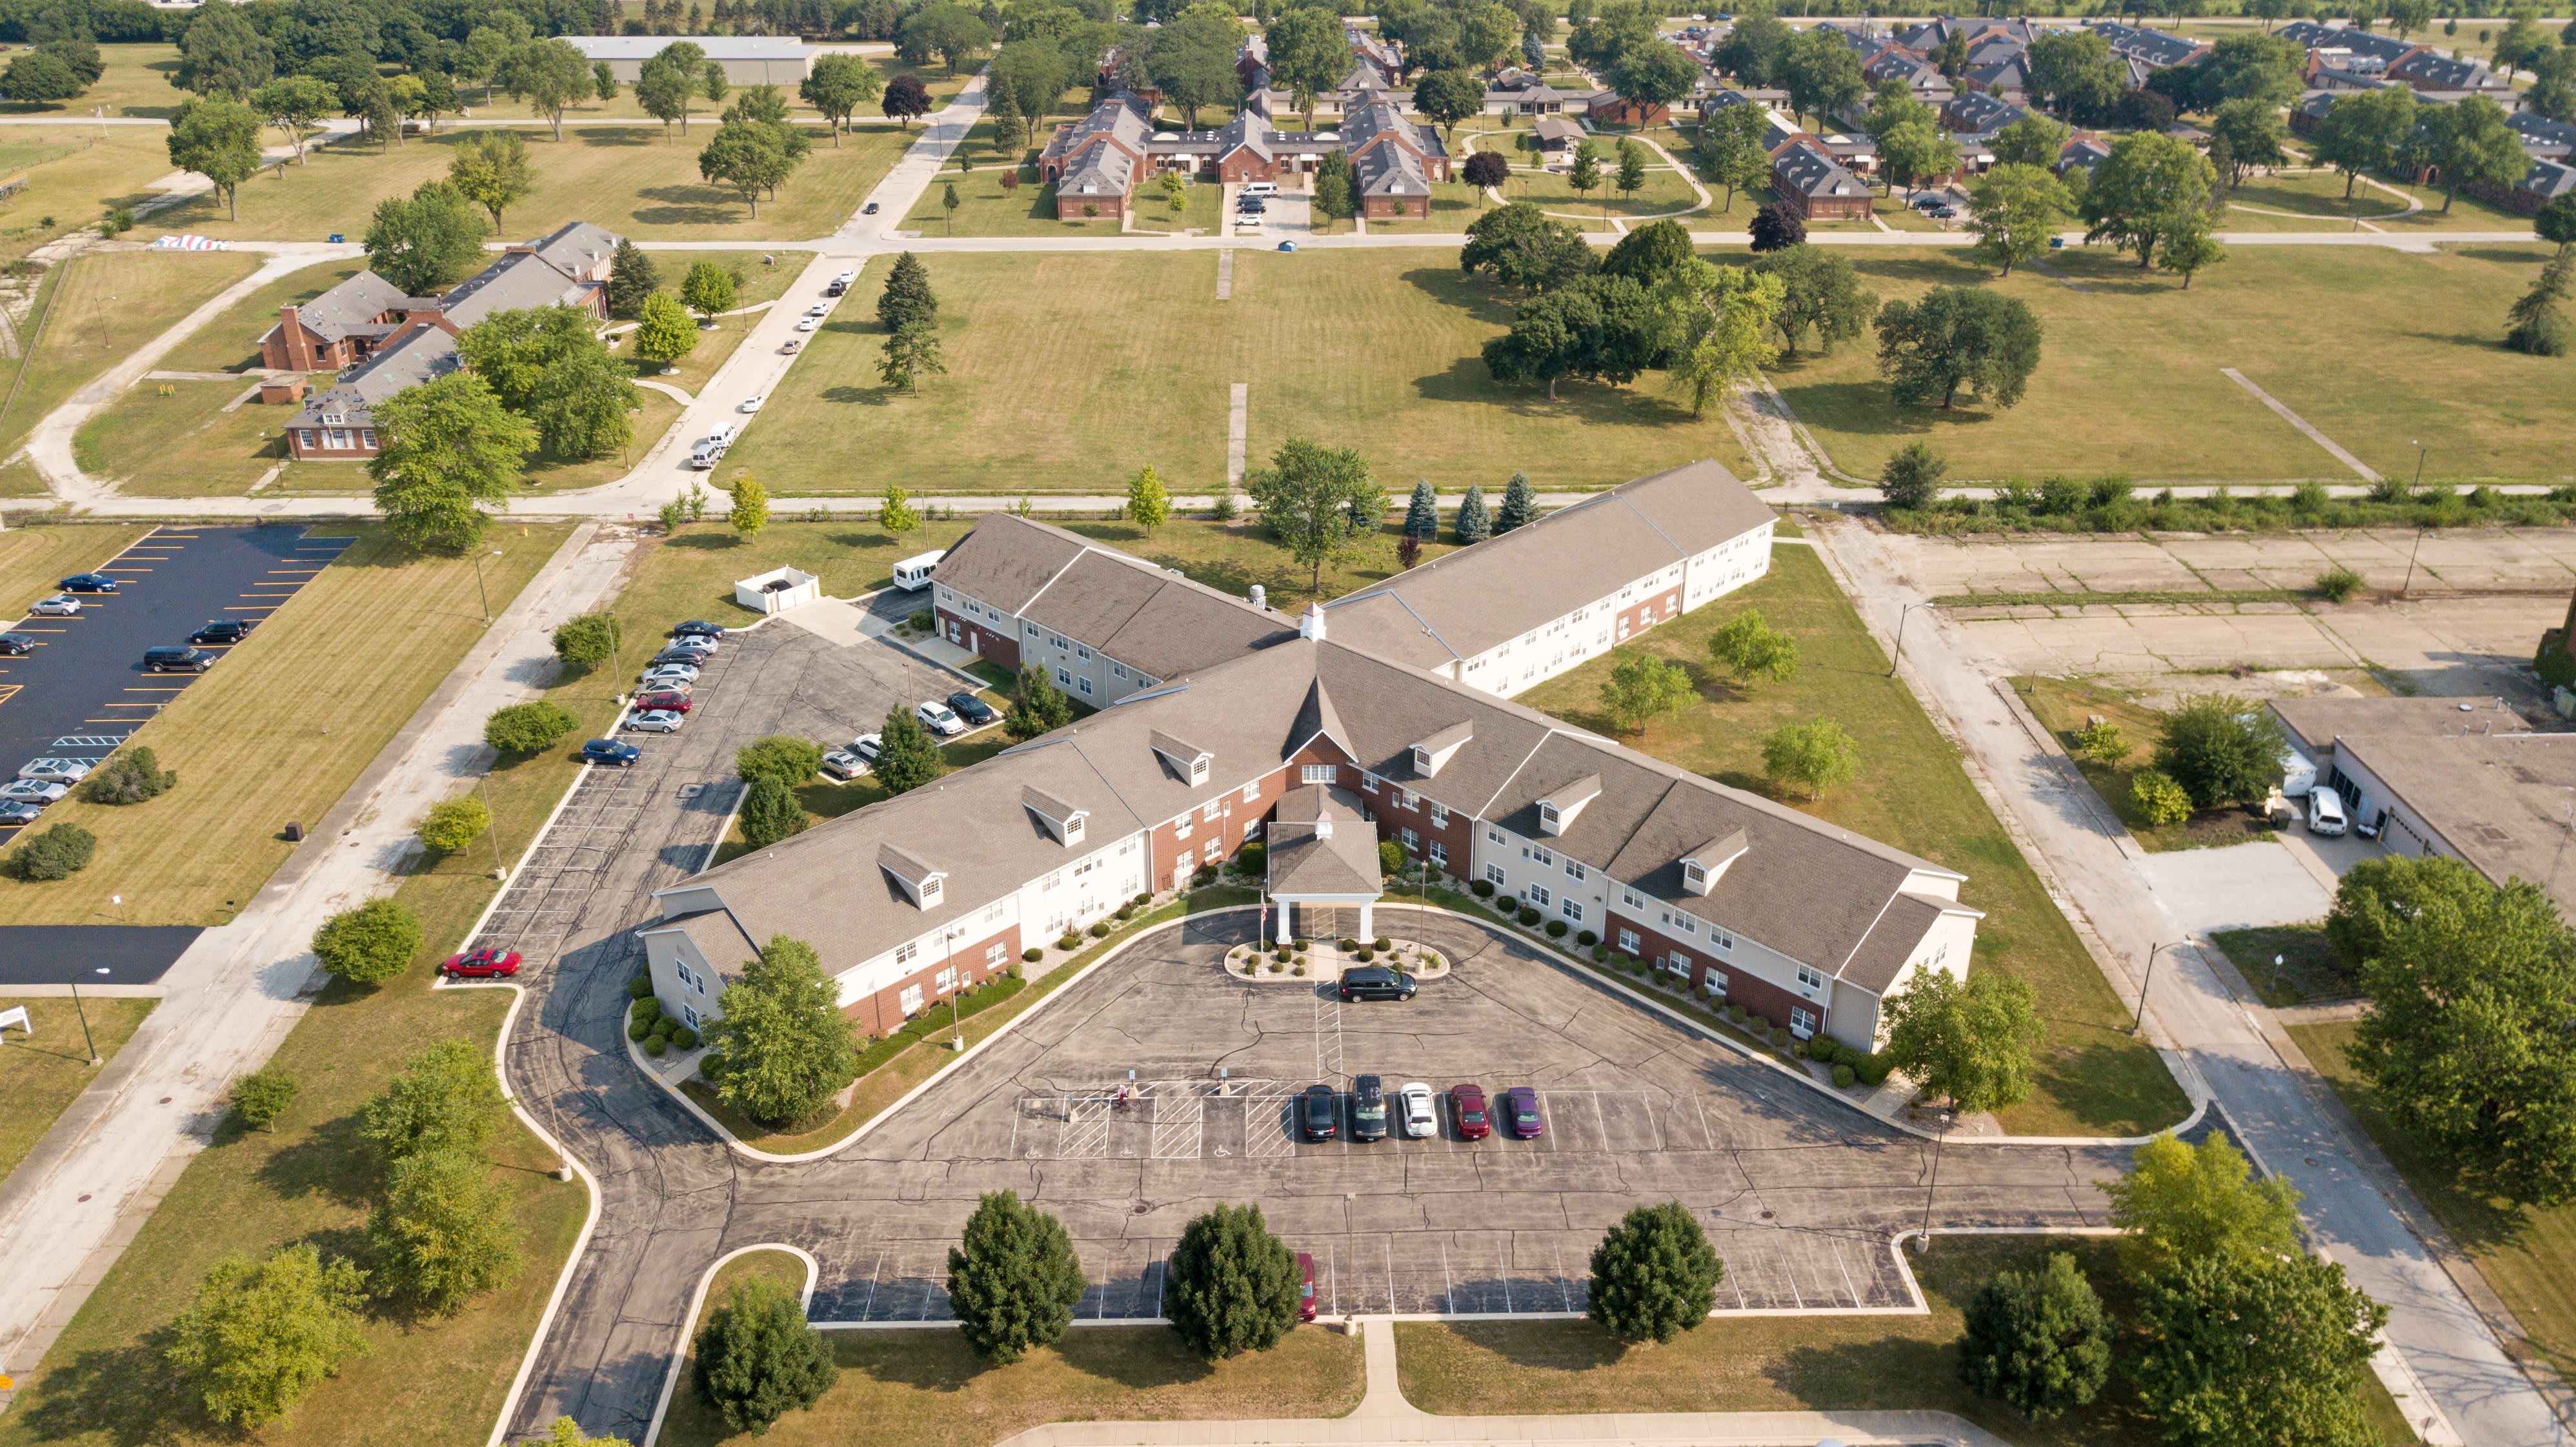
[1368, 925]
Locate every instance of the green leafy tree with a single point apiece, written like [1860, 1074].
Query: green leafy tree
[1912, 477]
[1972, 1042]
[2039, 1343]
[2075, 71]
[748, 157]
[663, 332]
[632, 277]
[2364, 131]
[750, 512]
[1918, 152]
[1473, 523]
[2222, 749]
[895, 512]
[2247, 135]
[1037, 705]
[1013, 1279]
[1654, 1275]
[2103, 742]
[525, 728]
[1520, 505]
[1335, 193]
[1642, 689]
[447, 1098]
[2148, 185]
[1632, 157]
[547, 365]
[2239, 1350]
[757, 1358]
[1231, 1286]
[37, 77]
[259, 1335]
[949, 31]
[1751, 648]
[785, 757]
[2014, 209]
[130, 777]
[370, 943]
[837, 86]
[1755, 50]
[666, 89]
[485, 47]
[295, 104]
[451, 824]
[1728, 147]
[551, 76]
[1524, 248]
[2034, 140]
[1726, 329]
[2181, 1203]
[1957, 337]
[1821, 295]
[2539, 323]
[1320, 503]
[587, 640]
[1822, 73]
[782, 1044]
[426, 242]
[218, 139]
[1149, 506]
[710, 289]
[2378, 894]
[1585, 174]
[1607, 328]
[59, 852]
[1308, 56]
[907, 756]
[603, 80]
[567, 1433]
[2189, 246]
[261, 1097]
[770, 812]
[2465, 1043]
[445, 1232]
[490, 169]
[220, 54]
[1191, 60]
[1818, 755]
[2555, 221]
[446, 450]
[1447, 97]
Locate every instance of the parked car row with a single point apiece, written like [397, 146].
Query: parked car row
[1414, 1111]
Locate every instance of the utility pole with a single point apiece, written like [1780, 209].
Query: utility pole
[81, 1010]
[2140, 1023]
[1899, 660]
[492, 827]
[478, 585]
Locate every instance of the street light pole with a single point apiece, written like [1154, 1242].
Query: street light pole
[81, 1010]
[1899, 660]
[956, 1031]
[1923, 1239]
[478, 585]
[2140, 1023]
[492, 827]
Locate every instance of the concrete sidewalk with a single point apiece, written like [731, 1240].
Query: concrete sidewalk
[68, 1211]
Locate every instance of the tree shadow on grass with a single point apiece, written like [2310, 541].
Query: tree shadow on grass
[689, 206]
[1864, 409]
[2116, 1089]
[1139, 1360]
[864, 396]
[623, 137]
[332, 1161]
[1479, 297]
[127, 1395]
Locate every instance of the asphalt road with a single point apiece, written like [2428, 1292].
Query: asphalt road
[91, 954]
[83, 692]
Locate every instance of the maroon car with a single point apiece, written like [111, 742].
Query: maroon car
[1467, 1107]
[490, 962]
[1520, 1112]
[662, 698]
[1306, 1293]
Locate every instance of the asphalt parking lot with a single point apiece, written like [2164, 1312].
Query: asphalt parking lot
[1802, 1195]
[83, 691]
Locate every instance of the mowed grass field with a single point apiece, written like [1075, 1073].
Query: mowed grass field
[2093, 1077]
[74, 175]
[33, 559]
[135, 82]
[2376, 348]
[280, 731]
[626, 178]
[2527, 1254]
[42, 1073]
[94, 309]
[1068, 373]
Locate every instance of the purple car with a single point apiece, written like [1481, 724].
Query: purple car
[1520, 1113]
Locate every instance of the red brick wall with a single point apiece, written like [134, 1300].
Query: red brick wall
[1382, 208]
[1393, 819]
[1069, 208]
[883, 1011]
[322, 447]
[1235, 814]
[1743, 987]
[1645, 613]
[990, 643]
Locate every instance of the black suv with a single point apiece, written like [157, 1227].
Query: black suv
[177, 658]
[1315, 1113]
[1377, 982]
[222, 631]
[1368, 1109]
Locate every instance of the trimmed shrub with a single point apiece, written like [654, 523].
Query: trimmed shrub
[1556, 929]
[647, 1010]
[639, 987]
[1586, 938]
[1844, 1075]
[1350, 944]
[2158, 799]
[784, 757]
[919, 620]
[1528, 917]
[684, 1037]
[1280, 954]
[451, 824]
[59, 853]
[1872, 1069]
[1482, 888]
[1758, 1024]
[1069, 941]
[1600, 954]
[1033, 954]
[129, 778]
[524, 728]
[656, 1044]
[369, 944]
[1735, 1014]
[1384, 944]
[1142, 900]
[638, 1029]
[260, 1097]
[1365, 956]
[1100, 931]
[1822, 1046]
[1251, 859]
[1780, 1036]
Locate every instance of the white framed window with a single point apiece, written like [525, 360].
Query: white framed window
[1809, 979]
[993, 911]
[1058, 640]
[1717, 981]
[366, 437]
[1411, 839]
[907, 952]
[1117, 670]
[1368, 782]
[1571, 908]
[1063, 679]
[1493, 836]
[1208, 814]
[1537, 894]
[1575, 871]
[1085, 684]
[1181, 830]
[1628, 941]
[1685, 923]
[947, 981]
[910, 1001]
[1631, 898]
[682, 970]
[1410, 800]
[1439, 816]
[1439, 854]
[1678, 963]
[1082, 653]
[1033, 630]
[1316, 773]
[689, 1015]
[995, 953]
[1725, 940]
[1802, 1022]
[1252, 791]
[1494, 876]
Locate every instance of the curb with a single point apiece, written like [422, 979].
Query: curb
[697, 1303]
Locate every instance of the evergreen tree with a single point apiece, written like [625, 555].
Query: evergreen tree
[2039, 1343]
[770, 813]
[631, 278]
[1473, 524]
[907, 756]
[907, 298]
[1422, 515]
[758, 1359]
[1013, 1280]
[2539, 324]
[1037, 705]
[1232, 1285]
[1520, 505]
[1654, 1275]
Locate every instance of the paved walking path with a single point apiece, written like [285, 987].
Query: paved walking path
[2282, 410]
[70, 1208]
[1385, 1419]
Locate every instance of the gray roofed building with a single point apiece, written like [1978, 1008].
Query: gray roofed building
[578, 249]
[1323, 850]
[352, 306]
[2369, 49]
[781, 60]
[341, 416]
[2542, 138]
[2006, 76]
[2428, 70]
[2156, 49]
[518, 280]
[1978, 114]
[1816, 185]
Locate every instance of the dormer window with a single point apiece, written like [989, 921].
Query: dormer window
[1431, 753]
[1702, 867]
[920, 881]
[1556, 813]
[1185, 759]
[1062, 821]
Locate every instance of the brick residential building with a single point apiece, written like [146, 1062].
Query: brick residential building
[1096, 163]
[338, 329]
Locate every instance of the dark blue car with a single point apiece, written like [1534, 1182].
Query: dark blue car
[610, 751]
[972, 709]
[88, 583]
[698, 628]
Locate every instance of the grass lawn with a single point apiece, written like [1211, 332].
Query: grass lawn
[2309, 970]
[2528, 1255]
[175, 439]
[313, 1180]
[373, 633]
[628, 179]
[40, 1074]
[94, 310]
[230, 343]
[32, 559]
[1071, 372]
[2129, 380]
[927, 1388]
[2064, 707]
[1454, 206]
[136, 82]
[985, 207]
[74, 174]
[2093, 1078]
[1850, 1363]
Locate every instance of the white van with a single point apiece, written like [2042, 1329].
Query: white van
[1258, 188]
[913, 574]
[2325, 812]
[708, 450]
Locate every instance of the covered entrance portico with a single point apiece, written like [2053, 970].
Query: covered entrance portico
[1323, 865]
